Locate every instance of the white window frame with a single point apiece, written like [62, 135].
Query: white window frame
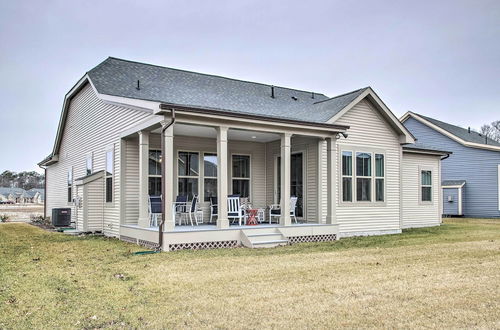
[420, 185]
[112, 176]
[356, 149]
[69, 185]
[188, 176]
[240, 178]
[154, 175]
[498, 182]
[378, 177]
[202, 199]
[89, 158]
[355, 165]
[342, 176]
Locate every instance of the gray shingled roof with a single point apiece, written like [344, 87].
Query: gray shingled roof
[453, 182]
[119, 77]
[420, 146]
[462, 133]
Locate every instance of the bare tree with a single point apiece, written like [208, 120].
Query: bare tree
[491, 131]
[486, 130]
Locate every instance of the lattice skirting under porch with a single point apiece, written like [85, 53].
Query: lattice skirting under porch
[141, 242]
[203, 245]
[312, 238]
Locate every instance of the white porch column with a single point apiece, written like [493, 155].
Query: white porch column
[321, 178]
[331, 146]
[222, 174]
[168, 160]
[285, 219]
[143, 178]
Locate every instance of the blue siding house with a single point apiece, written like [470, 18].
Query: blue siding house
[471, 175]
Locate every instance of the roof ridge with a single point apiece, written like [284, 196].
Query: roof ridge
[472, 131]
[207, 74]
[334, 97]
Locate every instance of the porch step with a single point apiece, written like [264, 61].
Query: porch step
[263, 239]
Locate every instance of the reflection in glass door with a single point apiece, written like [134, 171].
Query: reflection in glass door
[296, 181]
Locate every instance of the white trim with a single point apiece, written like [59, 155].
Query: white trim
[456, 186]
[498, 182]
[448, 134]
[405, 135]
[460, 201]
[177, 176]
[203, 176]
[372, 151]
[250, 197]
[109, 148]
[420, 186]
[304, 180]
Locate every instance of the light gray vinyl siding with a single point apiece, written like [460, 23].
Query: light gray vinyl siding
[91, 126]
[200, 145]
[450, 201]
[309, 148]
[416, 213]
[478, 167]
[95, 205]
[369, 130]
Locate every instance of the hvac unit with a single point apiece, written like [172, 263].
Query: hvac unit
[61, 217]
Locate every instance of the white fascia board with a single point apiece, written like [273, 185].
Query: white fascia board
[137, 104]
[406, 136]
[448, 134]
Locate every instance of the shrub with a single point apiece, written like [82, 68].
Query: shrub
[40, 219]
[4, 217]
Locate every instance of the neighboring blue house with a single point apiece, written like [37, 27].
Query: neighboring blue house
[471, 175]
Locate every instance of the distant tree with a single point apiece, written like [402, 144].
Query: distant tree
[25, 179]
[492, 131]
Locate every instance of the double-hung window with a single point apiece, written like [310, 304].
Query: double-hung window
[347, 176]
[209, 176]
[379, 177]
[363, 176]
[241, 175]
[109, 175]
[188, 173]
[426, 185]
[70, 185]
[154, 173]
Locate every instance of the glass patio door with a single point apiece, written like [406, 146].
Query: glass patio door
[296, 181]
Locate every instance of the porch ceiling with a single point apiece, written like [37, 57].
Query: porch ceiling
[233, 134]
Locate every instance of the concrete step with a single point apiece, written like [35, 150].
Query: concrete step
[270, 243]
[265, 237]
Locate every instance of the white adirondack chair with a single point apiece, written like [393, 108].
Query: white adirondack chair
[234, 210]
[275, 210]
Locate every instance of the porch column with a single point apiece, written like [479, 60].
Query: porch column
[331, 146]
[222, 221]
[143, 179]
[168, 160]
[320, 185]
[285, 219]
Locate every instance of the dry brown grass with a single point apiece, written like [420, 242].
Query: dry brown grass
[439, 277]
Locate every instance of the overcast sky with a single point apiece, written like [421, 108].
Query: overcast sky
[438, 58]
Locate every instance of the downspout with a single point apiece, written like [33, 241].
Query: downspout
[444, 157]
[163, 181]
[44, 190]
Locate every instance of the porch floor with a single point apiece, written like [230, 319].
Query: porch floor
[213, 227]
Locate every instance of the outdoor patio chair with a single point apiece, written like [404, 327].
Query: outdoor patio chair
[180, 207]
[154, 206]
[213, 208]
[195, 212]
[275, 210]
[234, 210]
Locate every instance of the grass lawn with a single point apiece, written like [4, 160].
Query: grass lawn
[447, 276]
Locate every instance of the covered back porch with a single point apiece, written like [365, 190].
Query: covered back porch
[207, 157]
